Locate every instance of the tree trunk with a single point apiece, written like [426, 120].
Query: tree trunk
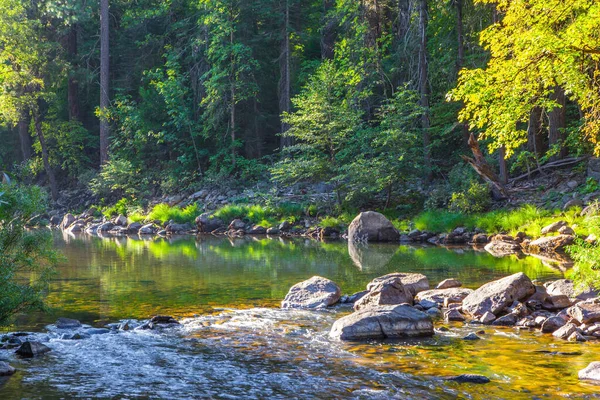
[285, 75]
[47, 167]
[24, 135]
[557, 121]
[232, 105]
[72, 84]
[502, 162]
[535, 140]
[403, 18]
[423, 83]
[104, 79]
[481, 166]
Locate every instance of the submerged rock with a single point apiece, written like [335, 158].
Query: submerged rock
[591, 372]
[389, 291]
[469, 378]
[371, 226]
[497, 295]
[67, 323]
[316, 292]
[6, 369]
[383, 322]
[471, 336]
[32, 349]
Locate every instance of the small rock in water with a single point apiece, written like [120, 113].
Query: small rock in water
[565, 331]
[591, 372]
[576, 337]
[6, 369]
[434, 312]
[453, 315]
[316, 292]
[506, 320]
[32, 349]
[67, 323]
[449, 283]
[472, 336]
[487, 318]
[469, 378]
[97, 331]
[163, 319]
[552, 324]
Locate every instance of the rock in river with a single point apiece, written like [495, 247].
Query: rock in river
[495, 296]
[67, 323]
[316, 292]
[586, 312]
[371, 226]
[6, 369]
[32, 349]
[591, 372]
[469, 378]
[389, 291]
[449, 284]
[414, 283]
[454, 295]
[383, 322]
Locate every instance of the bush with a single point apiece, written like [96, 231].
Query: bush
[164, 212]
[117, 179]
[23, 253]
[475, 200]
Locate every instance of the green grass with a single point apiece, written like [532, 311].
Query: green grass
[261, 215]
[164, 212]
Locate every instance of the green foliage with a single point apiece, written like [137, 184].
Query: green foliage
[117, 178]
[332, 222]
[27, 260]
[476, 199]
[126, 207]
[591, 186]
[164, 213]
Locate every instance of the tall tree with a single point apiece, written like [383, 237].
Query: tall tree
[104, 79]
[285, 81]
[424, 81]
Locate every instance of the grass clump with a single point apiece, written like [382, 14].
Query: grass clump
[163, 213]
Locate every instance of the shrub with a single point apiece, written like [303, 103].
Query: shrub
[475, 200]
[163, 213]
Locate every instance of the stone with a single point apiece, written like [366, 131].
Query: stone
[388, 291]
[565, 331]
[553, 227]
[6, 369]
[316, 292]
[559, 301]
[371, 226]
[134, 227]
[414, 283]
[552, 324]
[573, 203]
[427, 304]
[566, 287]
[208, 223]
[566, 230]
[98, 331]
[471, 336]
[120, 220]
[105, 227]
[285, 226]
[273, 231]
[591, 372]
[502, 248]
[67, 221]
[487, 318]
[32, 349]
[383, 322]
[434, 312]
[550, 244]
[591, 239]
[453, 315]
[506, 320]
[67, 323]
[237, 224]
[353, 298]
[572, 184]
[497, 295]
[469, 378]
[174, 228]
[257, 230]
[586, 312]
[439, 296]
[576, 337]
[147, 229]
[480, 238]
[449, 284]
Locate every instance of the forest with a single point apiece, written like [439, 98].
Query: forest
[144, 98]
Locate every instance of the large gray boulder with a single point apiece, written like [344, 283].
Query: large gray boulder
[208, 223]
[32, 349]
[67, 323]
[439, 296]
[591, 372]
[495, 296]
[586, 312]
[414, 283]
[502, 248]
[550, 244]
[387, 291]
[371, 226]
[383, 322]
[566, 287]
[67, 221]
[6, 369]
[316, 292]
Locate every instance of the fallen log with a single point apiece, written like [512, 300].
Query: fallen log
[481, 166]
[551, 165]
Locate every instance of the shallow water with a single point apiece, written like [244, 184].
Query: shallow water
[235, 343]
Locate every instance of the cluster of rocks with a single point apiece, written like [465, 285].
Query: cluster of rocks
[402, 305]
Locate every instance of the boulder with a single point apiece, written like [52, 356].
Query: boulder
[236, 224]
[573, 203]
[469, 378]
[576, 337]
[120, 220]
[502, 248]
[586, 312]
[566, 230]
[67, 221]
[441, 296]
[6, 369]
[383, 322]
[389, 291]
[147, 229]
[273, 231]
[487, 318]
[566, 287]
[495, 296]
[316, 292]
[553, 227]
[67, 323]
[449, 284]
[105, 227]
[174, 228]
[257, 230]
[414, 283]
[552, 324]
[453, 315]
[565, 331]
[32, 349]
[591, 372]
[134, 227]
[506, 320]
[550, 244]
[208, 223]
[371, 226]
[471, 336]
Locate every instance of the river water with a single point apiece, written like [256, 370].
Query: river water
[234, 341]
